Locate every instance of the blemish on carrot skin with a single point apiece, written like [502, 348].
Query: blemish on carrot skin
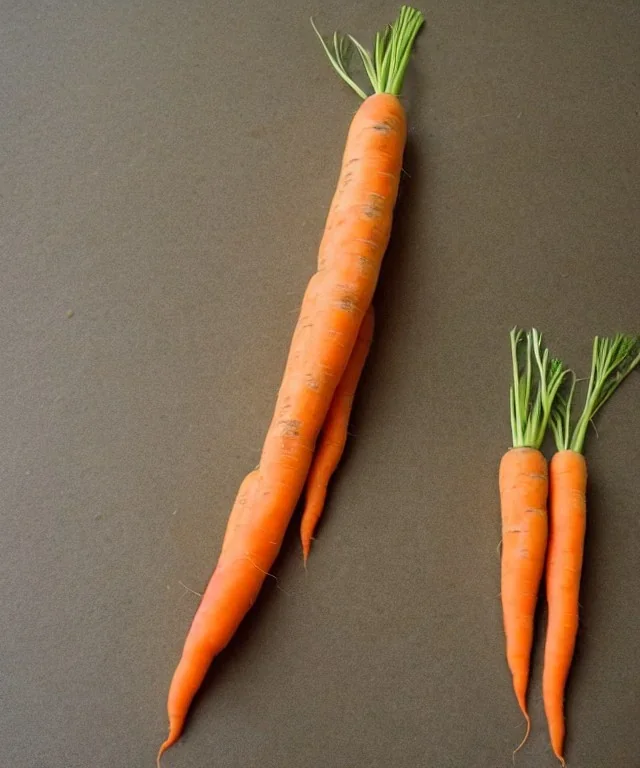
[289, 427]
[345, 287]
[312, 383]
[352, 161]
[383, 126]
[348, 303]
[536, 476]
[374, 206]
[372, 243]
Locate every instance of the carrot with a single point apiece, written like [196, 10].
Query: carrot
[334, 435]
[244, 498]
[336, 300]
[523, 497]
[568, 508]
[613, 359]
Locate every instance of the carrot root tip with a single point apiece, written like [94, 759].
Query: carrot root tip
[526, 736]
[169, 742]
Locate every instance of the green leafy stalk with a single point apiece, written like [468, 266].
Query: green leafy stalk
[534, 390]
[386, 68]
[612, 361]
[560, 417]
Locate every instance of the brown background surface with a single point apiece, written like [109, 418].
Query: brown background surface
[166, 169]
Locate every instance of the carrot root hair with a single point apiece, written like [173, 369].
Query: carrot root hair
[526, 736]
[169, 741]
[306, 551]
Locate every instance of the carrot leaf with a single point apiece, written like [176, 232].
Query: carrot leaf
[612, 361]
[560, 416]
[337, 58]
[386, 67]
[536, 382]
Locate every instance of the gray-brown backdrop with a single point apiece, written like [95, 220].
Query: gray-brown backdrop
[166, 169]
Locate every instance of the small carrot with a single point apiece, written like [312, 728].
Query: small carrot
[613, 360]
[523, 497]
[337, 298]
[334, 435]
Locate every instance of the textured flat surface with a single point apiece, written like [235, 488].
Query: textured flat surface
[165, 172]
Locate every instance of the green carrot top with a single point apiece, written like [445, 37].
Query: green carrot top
[536, 381]
[387, 65]
[612, 361]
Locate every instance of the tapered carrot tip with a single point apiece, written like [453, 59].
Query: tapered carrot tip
[526, 735]
[561, 759]
[171, 739]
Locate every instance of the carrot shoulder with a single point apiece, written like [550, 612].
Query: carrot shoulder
[336, 300]
[523, 500]
[613, 359]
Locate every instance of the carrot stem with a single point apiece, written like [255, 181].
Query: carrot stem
[516, 416]
[532, 392]
[612, 360]
[560, 422]
[386, 68]
[340, 48]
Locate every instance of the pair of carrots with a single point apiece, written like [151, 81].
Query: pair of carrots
[330, 343]
[532, 535]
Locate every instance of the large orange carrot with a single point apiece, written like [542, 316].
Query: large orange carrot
[523, 497]
[335, 303]
[334, 435]
[613, 359]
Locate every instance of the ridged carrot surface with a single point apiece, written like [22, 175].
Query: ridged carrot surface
[333, 437]
[524, 488]
[568, 516]
[523, 494]
[335, 303]
[613, 359]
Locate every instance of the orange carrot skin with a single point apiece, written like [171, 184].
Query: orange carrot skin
[523, 495]
[334, 435]
[335, 302]
[244, 498]
[367, 180]
[568, 517]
